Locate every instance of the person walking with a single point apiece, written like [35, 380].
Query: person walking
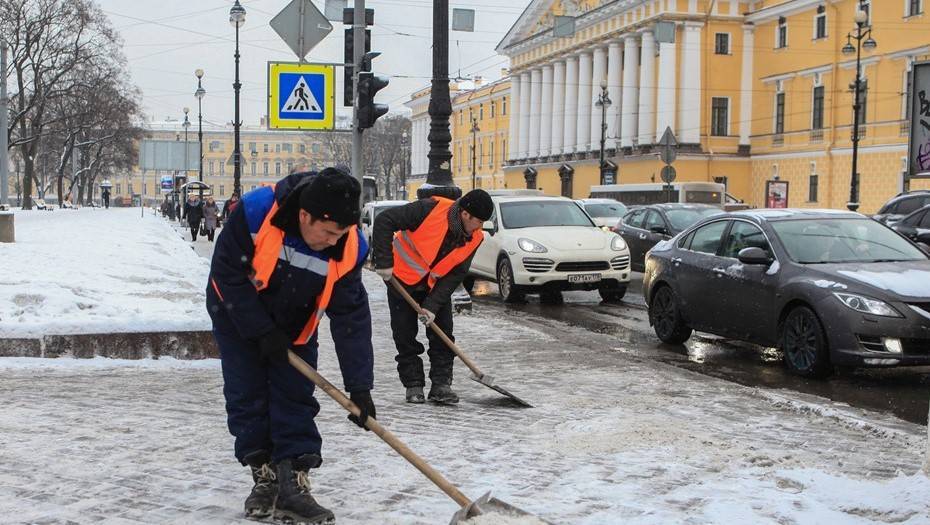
[230, 206]
[105, 196]
[286, 255]
[427, 246]
[193, 210]
[211, 213]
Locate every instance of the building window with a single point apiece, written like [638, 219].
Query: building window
[503, 151]
[812, 182]
[277, 168]
[491, 155]
[722, 44]
[212, 168]
[781, 34]
[265, 169]
[480, 153]
[253, 146]
[222, 190]
[779, 113]
[315, 148]
[129, 189]
[492, 109]
[820, 23]
[817, 108]
[719, 116]
[277, 148]
[480, 111]
[265, 148]
[118, 188]
[914, 7]
[303, 148]
[290, 166]
[461, 117]
[254, 165]
[222, 168]
[504, 106]
[216, 145]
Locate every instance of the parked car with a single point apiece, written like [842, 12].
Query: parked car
[643, 227]
[901, 205]
[826, 287]
[915, 226]
[538, 244]
[370, 212]
[604, 212]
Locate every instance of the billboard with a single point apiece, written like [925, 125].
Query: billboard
[169, 155]
[919, 140]
[776, 194]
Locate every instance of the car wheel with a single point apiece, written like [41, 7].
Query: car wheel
[665, 313]
[468, 283]
[612, 295]
[805, 344]
[510, 292]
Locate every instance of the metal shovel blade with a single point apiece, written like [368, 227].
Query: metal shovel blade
[488, 505]
[488, 381]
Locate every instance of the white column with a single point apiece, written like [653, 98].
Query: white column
[535, 111]
[545, 130]
[666, 93]
[745, 95]
[598, 75]
[558, 107]
[571, 105]
[689, 104]
[630, 103]
[524, 131]
[647, 91]
[514, 117]
[584, 102]
[614, 67]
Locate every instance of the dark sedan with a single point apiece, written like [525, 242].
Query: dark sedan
[643, 227]
[826, 287]
[915, 226]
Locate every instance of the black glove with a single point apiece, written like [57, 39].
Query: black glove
[362, 400]
[274, 346]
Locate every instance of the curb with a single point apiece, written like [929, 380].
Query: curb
[128, 345]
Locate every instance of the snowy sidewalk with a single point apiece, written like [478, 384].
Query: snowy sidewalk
[613, 439]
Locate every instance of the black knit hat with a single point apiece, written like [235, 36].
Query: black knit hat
[478, 203]
[332, 195]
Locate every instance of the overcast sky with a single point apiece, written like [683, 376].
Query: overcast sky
[166, 40]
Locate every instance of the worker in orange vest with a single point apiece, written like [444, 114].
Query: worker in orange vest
[288, 254]
[427, 246]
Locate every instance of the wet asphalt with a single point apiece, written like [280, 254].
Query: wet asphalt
[903, 392]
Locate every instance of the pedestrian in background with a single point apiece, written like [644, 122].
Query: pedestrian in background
[211, 214]
[430, 254]
[193, 210]
[230, 206]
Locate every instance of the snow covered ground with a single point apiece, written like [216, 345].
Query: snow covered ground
[613, 438]
[99, 271]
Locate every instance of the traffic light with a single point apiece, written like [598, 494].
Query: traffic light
[368, 111]
[348, 47]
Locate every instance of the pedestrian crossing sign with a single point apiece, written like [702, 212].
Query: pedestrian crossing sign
[301, 96]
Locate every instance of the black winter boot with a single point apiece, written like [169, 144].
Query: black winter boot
[415, 395]
[260, 502]
[443, 394]
[295, 505]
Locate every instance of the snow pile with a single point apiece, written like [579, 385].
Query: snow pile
[497, 518]
[99, 271]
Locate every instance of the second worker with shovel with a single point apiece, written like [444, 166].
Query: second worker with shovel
[427, 246]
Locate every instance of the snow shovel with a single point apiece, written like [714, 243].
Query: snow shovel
[478, 376]
[483, 505]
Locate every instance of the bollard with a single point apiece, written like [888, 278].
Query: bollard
[6, 226]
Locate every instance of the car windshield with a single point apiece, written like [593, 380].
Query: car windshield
[529, 214]
[820, 241]
[681, 218]
[605, 210]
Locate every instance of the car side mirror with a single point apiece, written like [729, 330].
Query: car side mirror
[488, 226]
[924, 246]
[905, 230]
[366, 220]
[662, 230]
[755, 255]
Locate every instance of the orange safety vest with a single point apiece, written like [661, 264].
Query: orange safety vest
[413, 250]
[268, 245]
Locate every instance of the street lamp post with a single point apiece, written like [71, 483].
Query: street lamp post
[603, 102]
[186, 124]
[863, 37]
[237, 19]
[199, 94]
[474, 151]
[403, 166]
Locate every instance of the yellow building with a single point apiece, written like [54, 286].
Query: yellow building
[480, 132]
[754, 91]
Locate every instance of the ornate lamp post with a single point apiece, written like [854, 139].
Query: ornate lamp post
[474, 152]
[186, 124]
[237, 19]
[863, 37]
[199, 94]
[403, 166]
[603, 102]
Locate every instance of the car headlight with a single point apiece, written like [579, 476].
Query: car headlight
[529, 245]
[867, 305]
[617, 244]
[606, 228]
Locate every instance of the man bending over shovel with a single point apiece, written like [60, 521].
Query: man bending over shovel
[287, 255]
[427, 246]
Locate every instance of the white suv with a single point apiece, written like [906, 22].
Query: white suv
[539, 244]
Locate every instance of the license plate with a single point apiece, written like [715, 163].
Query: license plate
[584, 278]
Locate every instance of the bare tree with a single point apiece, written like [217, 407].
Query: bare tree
[384, 147]
[336, 145]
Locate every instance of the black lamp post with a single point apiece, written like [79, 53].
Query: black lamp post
[403, 166]
[603, 102]
[199, 94]
[863, 37]
[237, 19]
[474, 152]
[186, 124]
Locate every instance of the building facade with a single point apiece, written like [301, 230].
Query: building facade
[480, 136]
[754, 92]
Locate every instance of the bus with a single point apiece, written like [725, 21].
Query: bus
[642, 194]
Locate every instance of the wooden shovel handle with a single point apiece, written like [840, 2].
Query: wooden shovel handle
[442, 335]
[380, 431]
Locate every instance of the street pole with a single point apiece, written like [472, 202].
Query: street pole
[4, 139]
[439, 177]
[863, 39]
[403, 167]
[237, 19]
[358, 51]
[474, 150]
[603, 100]
[199, 94]
[186, 124]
